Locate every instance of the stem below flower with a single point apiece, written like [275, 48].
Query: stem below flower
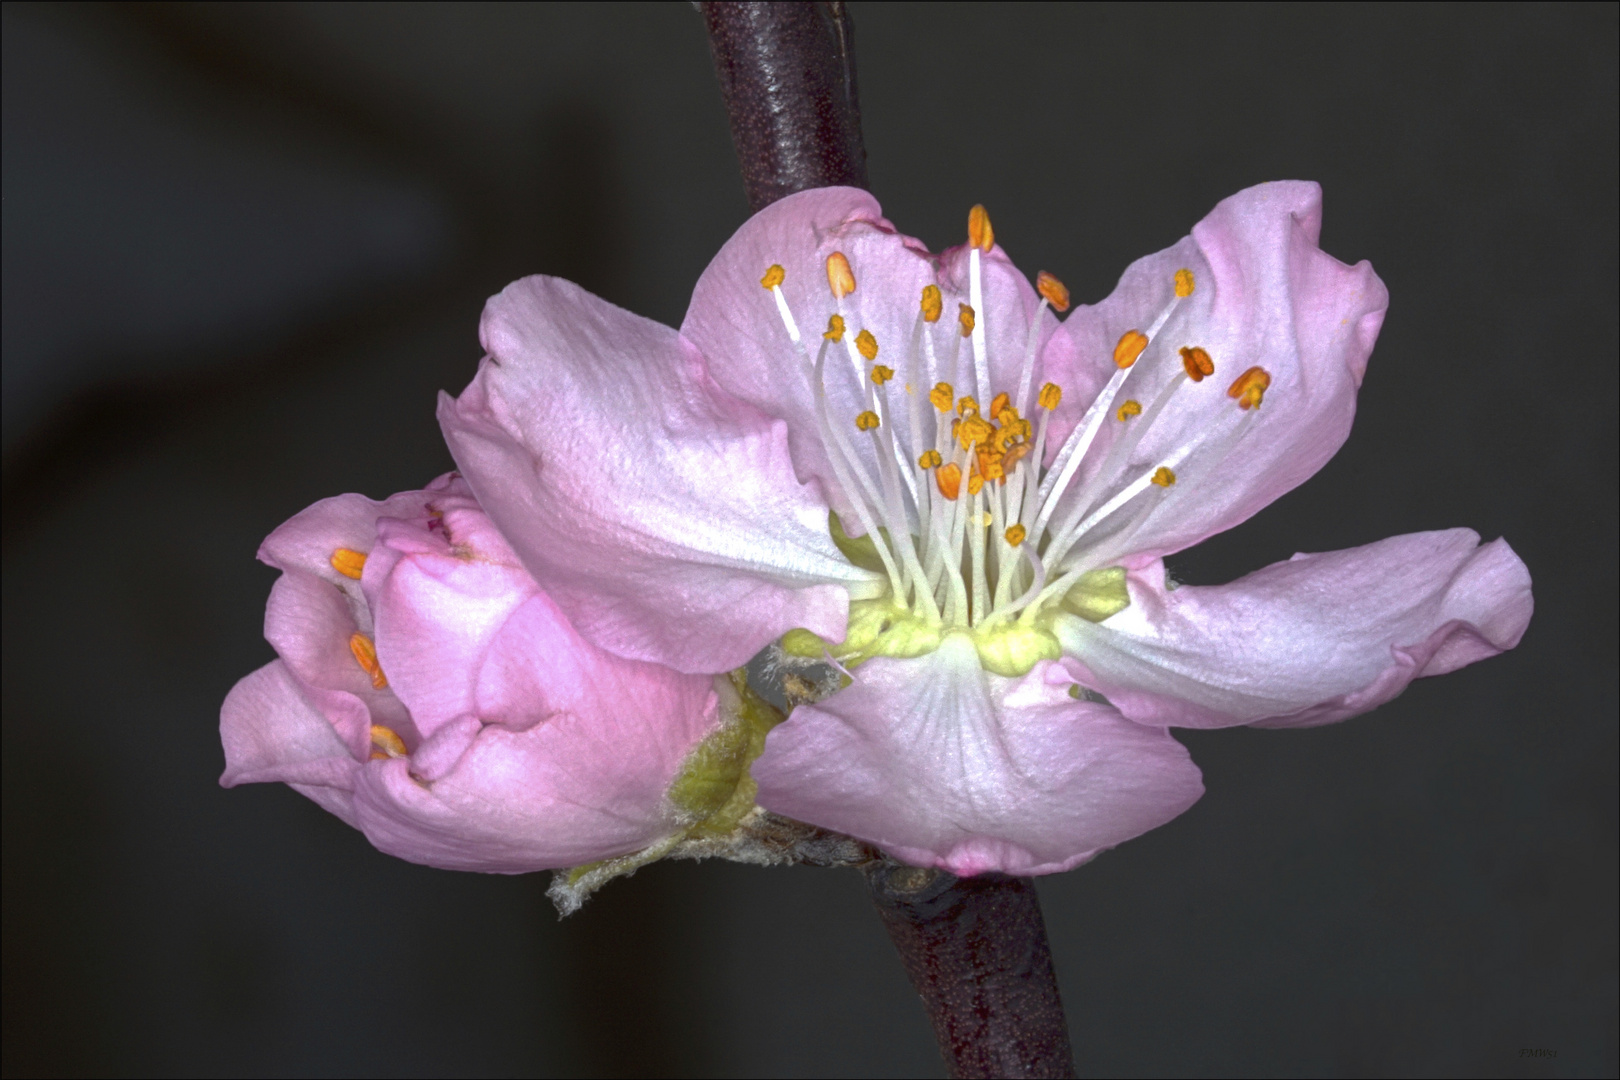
[975, 949]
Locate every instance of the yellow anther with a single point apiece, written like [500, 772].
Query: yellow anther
[980, 234]
[930, 459]
[866, 344]
[867, 420]
[932, 303]
[1055, 292]
[348, 562]
[990, 467]
[1163, 477]
[974, 430]
[1129, 409]
[835, 328]
[386, 743]
[1016, 534]
[1131, 344]
[881, 374]
[942, 395]
[998, 403]
[365, 654]
[840, 278]
[1184, 283]
[975, 484]
[948, 479]
[1051, 394]
[773, 277]
[1197, 363]
[1250, 387]
[964, 315]
[966, 405]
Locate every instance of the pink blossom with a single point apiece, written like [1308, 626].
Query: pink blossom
[431, 695]
[1004, 485]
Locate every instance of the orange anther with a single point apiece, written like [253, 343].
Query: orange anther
[773, 277]
[1055, 292]
[867, 420]
[881, 374]
[942, 395]
[974, 430]
[365, 654]
[930, 459]
[1197, 363]
[932, 303]
[1050, 395]
[964, 315]
[1131, 344]
[1184, 283]
[1163, 477]
[1016, 534]
[1250, 387]
[990, 467]
[980, 234]
[999, 402]
[387, 742]
[348, 562]
[835, 328]
[866, 344]
[948, 479]
[1015, 453]
[1129, 409]
[840, 278]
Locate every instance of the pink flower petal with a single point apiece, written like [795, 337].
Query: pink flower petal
[1316, 639]
[734, 320]
[942, 764]
[1266, 296]
[271, 732]
[660, 514]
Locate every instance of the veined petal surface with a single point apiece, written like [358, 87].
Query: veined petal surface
[1316, 639]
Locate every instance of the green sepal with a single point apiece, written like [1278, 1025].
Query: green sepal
[1098, 594]
[860, 550]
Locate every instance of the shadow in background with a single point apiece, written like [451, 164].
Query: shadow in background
[281, 223]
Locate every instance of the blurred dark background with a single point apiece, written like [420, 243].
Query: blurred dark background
[244, 245]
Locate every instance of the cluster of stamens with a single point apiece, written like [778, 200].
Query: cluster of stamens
[972, 530]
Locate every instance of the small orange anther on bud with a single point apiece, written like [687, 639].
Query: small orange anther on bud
[1051, 394]
[932, 303]
[949, 480]
[840, 278]
[1184, 283]
[866, 344]
[348, 562]
[1129, 409]
[942, 396]
[1250, 387]
[773, 277]
[365, 654]
[1163, 477]
[881, 374]
[835, 328]
[1055, 292]
[387, 742]
[1197, 363]
[1016, 534]
[980, 234]
[1131, 344]
[930, 459]
[967, 404]
[867, 420]
[964, 315]
[998, 403]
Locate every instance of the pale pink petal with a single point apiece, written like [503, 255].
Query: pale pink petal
[941, 764]
[1309, 641]
[572, 790]
[271, 732]
[466, 631]
[661, 514]
[1266, 296]
[734, 321]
